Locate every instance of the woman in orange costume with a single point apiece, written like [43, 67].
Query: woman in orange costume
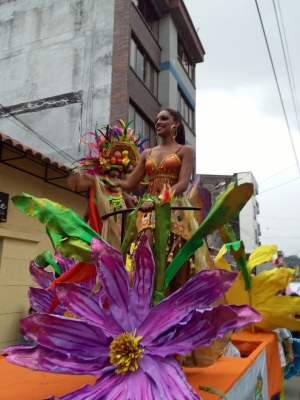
[170, 163]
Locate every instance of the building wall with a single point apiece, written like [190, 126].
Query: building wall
[56, 59]
[172, 74]
[22, 238]
[217, 184]
[248, 223]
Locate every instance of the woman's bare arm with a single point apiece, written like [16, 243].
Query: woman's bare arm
[187, 165]
[137, 175]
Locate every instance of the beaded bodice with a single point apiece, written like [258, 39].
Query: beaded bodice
[166, 172]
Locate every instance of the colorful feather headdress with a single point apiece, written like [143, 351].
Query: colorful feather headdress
[113, 148]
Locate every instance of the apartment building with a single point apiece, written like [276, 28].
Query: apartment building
[245, 225]
[69, 66]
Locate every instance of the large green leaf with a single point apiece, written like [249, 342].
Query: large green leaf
[57, 218]
[161, 235]
[44, 259]
[55, 238]
[226, 207]
[237, 249]
[131, 229]
[75, 248]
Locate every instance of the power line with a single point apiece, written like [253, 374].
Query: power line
[281, 237]
[288, 56]
[278, 88]
[287, 68]
[36, 134]
[276, 174]
[279, 185]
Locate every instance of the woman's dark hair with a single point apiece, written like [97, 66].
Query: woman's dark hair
[180, 138]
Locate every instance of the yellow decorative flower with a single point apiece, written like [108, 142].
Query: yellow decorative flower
[276, 311]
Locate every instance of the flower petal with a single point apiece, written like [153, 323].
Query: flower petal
[41, 300]
[202, 327]
[101, 387]
[80, 302]
[39, 358]
[66, 335]
[65, 263]
[40, 275]
[168, 378]
[114, 280]
[200, 291]
[141, 294]
[135, 386]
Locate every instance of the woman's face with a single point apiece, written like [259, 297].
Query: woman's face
[163, 124]
[114, 175]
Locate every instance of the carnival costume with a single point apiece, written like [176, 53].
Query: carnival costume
[112, 148]
[183, 223]
[124, 335]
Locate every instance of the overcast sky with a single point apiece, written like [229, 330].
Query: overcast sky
[240, 122]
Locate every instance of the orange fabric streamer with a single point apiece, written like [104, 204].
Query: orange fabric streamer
[95, 221]
[78, 273]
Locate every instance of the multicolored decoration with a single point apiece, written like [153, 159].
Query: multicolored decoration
[113, 148]
[130, 344]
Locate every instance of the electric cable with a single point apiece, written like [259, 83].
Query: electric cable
[276, 174]
[288, 56]
[285, 183]
[278, 87]
[37, 135]
[287, 68]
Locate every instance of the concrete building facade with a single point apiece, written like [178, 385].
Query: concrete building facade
[22, 238]
[69, 66]
[245, 225]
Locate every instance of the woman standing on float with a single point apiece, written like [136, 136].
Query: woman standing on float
[170, 163]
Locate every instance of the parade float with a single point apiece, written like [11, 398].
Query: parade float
[129, 339]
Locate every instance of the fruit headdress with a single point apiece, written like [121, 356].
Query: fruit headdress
[113, 148]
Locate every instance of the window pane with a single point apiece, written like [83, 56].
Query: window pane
[148, 74]
[131, 116]
[190, 117]
[153, 141]
[155, 83]
[132, 54]
[138, 123]
[139, 65]
[146, 134]
[155, 29]
[186, 112]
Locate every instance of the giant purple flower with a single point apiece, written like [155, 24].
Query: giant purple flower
[130, 347]
[44, 298]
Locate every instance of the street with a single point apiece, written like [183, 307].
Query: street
[292, 388]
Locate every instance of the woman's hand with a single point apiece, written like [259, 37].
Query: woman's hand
[147, 206]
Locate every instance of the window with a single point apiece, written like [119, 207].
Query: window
[149, 14]
[143, 67]
[143, 126]
[186, 111]
[186, 61]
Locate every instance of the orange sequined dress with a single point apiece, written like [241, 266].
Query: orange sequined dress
[166, 172]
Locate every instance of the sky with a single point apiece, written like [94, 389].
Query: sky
[239, 117]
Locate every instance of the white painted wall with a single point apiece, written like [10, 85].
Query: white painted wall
[248, 221]
[49, 48]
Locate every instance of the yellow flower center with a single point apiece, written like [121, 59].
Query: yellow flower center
[70, 315]
[125, 351]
